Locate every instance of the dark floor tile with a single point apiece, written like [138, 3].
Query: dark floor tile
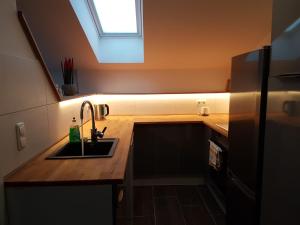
[145, 220]
[220, 219]
[196, 215]
[122, 221]
[211, 203]
[189, 195]
[143, 201]
[164, 191]
[168, 211]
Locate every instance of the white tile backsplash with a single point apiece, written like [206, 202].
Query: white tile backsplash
[50, 95]
[221, 106]
[185, 106]
[163, 104]
[121, 107]
[60, 119]
[149, 107]
[22, 82]
[36, 125]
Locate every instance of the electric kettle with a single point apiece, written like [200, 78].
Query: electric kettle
[101, 111]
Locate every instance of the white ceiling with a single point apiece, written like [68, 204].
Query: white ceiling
[179, 34]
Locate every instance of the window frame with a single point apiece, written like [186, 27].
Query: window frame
[139, 21]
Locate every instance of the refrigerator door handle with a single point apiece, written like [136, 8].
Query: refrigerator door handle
[289, 75]
[242, 187]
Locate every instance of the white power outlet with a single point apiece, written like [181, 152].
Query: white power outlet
[21, 135]
[201, 102]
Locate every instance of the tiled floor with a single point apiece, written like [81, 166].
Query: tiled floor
[173, 205]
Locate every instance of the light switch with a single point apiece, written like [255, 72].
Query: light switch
[21, 135]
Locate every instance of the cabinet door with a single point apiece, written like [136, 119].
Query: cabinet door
[49, 205]
[143, 151]
[192, 151]
[169, 150]
[167, 145]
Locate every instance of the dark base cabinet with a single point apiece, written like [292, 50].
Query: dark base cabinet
[68, 205]
[169, 150]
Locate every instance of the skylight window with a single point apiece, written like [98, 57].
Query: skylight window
[117, 17]
[114, 29]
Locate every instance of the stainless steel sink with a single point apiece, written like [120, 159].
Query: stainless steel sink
[103, 148]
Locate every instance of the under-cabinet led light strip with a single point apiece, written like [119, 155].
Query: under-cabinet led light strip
[103, 98]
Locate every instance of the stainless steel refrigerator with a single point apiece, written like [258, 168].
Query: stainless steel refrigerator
[249, 79]
[281, 183]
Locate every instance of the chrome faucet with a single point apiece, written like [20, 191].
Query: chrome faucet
[94, 133]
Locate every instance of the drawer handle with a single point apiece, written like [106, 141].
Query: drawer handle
[288, 75]
[120, 196]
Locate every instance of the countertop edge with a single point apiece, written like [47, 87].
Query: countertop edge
[62, 183]
[7, 183]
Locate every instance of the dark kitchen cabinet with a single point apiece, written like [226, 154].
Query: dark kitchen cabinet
[143, 151]
[169, 150]
[192, 152]
[166, 147]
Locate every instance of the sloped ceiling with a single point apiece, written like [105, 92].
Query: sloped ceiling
[178, 34]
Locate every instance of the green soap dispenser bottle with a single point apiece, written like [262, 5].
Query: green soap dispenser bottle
[74, 135]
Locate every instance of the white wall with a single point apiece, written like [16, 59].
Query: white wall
[153, 81]
[25, 95]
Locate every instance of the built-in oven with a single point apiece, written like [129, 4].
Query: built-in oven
[217, 169]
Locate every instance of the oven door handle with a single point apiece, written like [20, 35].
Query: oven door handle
[288, 75]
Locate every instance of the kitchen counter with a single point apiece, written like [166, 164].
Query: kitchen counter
[40, 171]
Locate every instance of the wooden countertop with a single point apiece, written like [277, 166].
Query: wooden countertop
[40, 171]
